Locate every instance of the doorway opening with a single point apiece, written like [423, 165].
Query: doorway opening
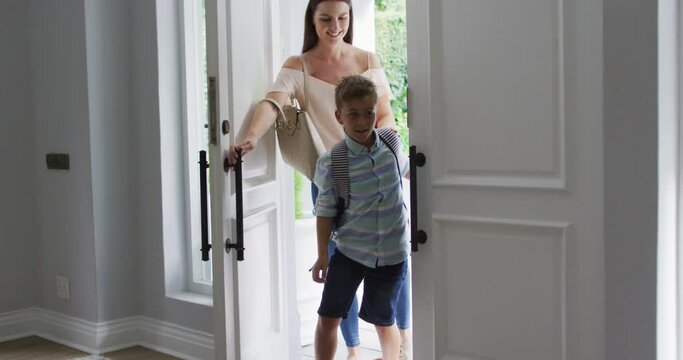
[379, 27]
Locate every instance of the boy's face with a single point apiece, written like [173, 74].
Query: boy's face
[358, 117]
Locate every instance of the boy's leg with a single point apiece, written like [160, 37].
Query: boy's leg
[380, 297]
[349, 326]
[326, 337]
[343, 277]
[389, 340]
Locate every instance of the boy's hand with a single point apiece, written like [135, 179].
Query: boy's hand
[319, 270]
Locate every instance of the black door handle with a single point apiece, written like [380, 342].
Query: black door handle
[239, 213]
[203, 166]
[417, 236]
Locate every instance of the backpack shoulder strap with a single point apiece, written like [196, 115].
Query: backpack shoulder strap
[393, 142]
[391, 139]
[340, 175]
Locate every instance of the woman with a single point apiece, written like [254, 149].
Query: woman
[329, 56]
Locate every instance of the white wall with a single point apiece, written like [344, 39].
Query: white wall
[364, 25]
[108, 40]
[84, 78]
[18, 233]
[61, 119]
[630, 131]
[293, 23]
[155, 113]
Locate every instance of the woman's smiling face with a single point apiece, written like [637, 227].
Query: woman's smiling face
[331, 20]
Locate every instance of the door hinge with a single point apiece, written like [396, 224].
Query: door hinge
[213, 122]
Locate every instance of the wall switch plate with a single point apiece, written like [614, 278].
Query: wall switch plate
[57, 161]
[62, 283]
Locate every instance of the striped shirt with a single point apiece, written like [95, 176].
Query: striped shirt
[374, 229]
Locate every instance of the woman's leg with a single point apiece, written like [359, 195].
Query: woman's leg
[403, 305]
[403, 318]
[314, 193]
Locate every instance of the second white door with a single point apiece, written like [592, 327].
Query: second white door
[506, 103]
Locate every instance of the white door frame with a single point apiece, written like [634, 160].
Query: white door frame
[669, 252]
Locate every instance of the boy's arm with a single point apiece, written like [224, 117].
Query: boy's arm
[325, 210]
[324, 231]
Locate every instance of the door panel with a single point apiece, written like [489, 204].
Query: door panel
[510, 78]
[250, 295]
[512, 274]
[251, 75]
[505, 102]
[262, 295]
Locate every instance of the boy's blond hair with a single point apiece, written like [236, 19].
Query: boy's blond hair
[354, 87]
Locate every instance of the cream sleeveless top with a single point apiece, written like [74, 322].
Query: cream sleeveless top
[321, 95]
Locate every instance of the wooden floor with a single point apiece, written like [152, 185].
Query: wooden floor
[308, 353]
[138, 353]
[36, 348]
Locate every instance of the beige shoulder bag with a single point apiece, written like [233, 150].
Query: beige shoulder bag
[299, 141]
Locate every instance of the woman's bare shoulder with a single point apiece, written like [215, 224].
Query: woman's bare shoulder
[373, 61]
[367, 59]
[293, 62]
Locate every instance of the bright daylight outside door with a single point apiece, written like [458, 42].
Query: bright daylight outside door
[506, 104]
[250, 295]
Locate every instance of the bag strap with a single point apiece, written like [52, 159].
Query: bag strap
[276, 104]
[303, 64]
[340, 166]
[278, 107]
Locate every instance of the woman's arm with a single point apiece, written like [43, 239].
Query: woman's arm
[385, 116]
[262, 119]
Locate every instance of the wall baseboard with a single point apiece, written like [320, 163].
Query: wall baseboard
[98, 338]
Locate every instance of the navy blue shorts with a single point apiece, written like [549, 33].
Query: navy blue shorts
[380, 290]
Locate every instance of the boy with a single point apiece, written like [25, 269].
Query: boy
[371, 230]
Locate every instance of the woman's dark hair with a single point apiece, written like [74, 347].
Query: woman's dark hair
[310, 36]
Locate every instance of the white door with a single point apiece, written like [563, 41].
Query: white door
[250, 296]
[506, 104]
